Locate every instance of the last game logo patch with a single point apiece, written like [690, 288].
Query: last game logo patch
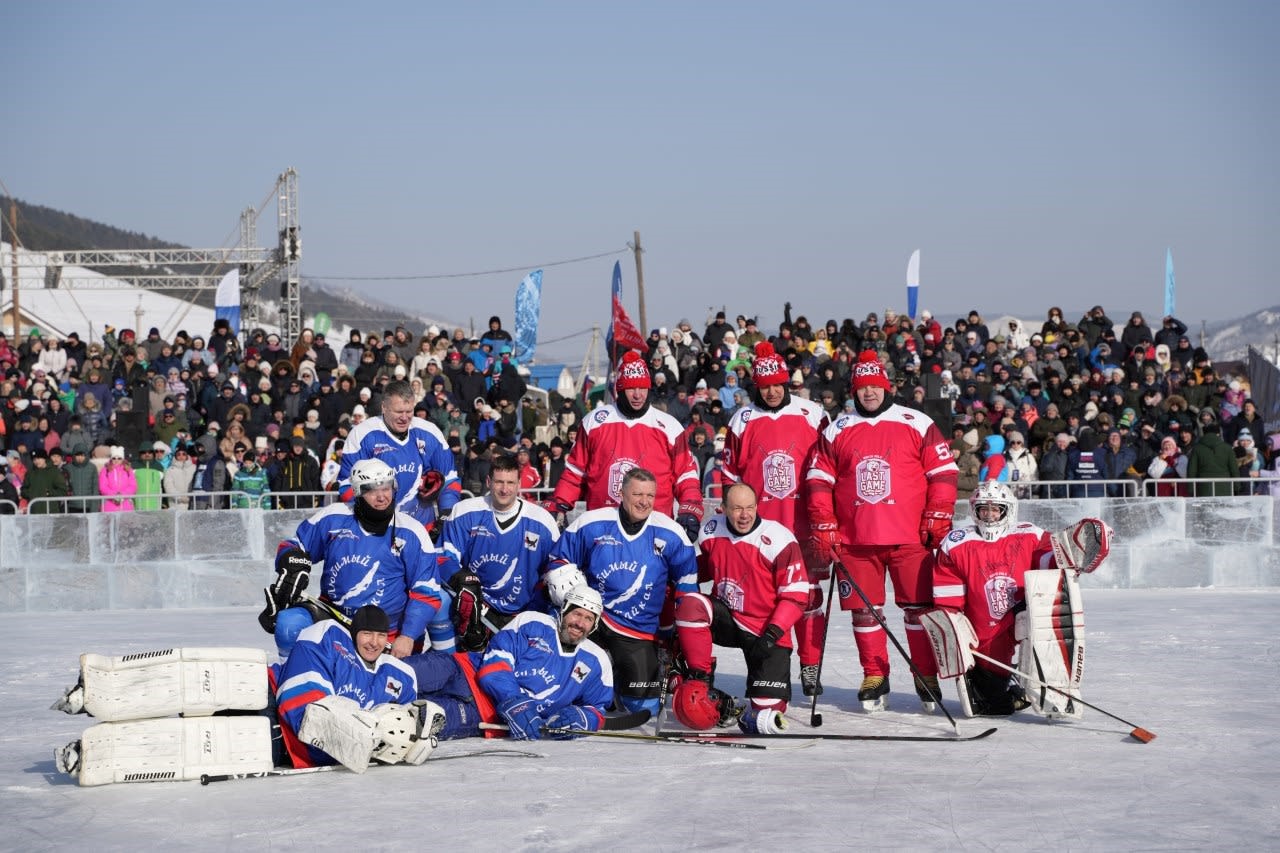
[1002, 594]
[873, 478]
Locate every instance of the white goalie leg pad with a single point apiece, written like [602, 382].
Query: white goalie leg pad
[170, 749]
[340, 728]
[1082, 546]
[952, 638]
[193, 682]
[1050, 634]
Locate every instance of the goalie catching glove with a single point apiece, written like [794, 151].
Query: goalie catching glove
[1083, 546]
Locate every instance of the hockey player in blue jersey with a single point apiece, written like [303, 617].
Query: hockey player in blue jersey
[372, 554]
[538, 673]
[632, 556]
[427, 484]
[501, 544]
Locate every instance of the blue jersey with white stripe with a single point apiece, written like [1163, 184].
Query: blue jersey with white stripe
[422, 448]
[396, 571]
[508, 559]
[631, 572]
[526, 658]
[324, 662]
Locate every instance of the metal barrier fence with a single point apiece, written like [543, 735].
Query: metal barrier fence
[1207, 487]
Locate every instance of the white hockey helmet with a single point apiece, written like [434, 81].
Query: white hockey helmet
[585, 597]
[992, 493]
[561, 580]
[370, 474]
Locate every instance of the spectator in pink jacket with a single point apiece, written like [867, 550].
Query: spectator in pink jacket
[117, 483]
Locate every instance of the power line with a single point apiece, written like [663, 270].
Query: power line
[521, 268]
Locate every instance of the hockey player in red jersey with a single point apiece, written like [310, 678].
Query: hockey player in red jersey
[882, 492]
[982, 585]
[631, 434]
[759, 588]
[768, 447]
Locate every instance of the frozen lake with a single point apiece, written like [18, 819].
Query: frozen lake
[1197, 667]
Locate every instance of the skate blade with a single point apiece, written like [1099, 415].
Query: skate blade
[873, 706]
[929, 707]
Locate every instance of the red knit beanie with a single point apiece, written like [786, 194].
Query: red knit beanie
[633, 372]
[768, 368]
[869, 371]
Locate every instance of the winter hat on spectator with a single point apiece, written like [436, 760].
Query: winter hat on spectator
[633, 372]
[1244, 435]
[358, 410]
[1090, 410]
[868, 371]
[365, 393]
[1127, 417]
[768, 368]
[260, 443]
[117, 452]
[399, 371]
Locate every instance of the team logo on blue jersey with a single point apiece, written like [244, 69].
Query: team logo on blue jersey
[341, 533]
[659, 545]
[380, 448]
[539, 644]
[531, 541]
[393, 688]
[422, 446]
[580, 672]
[607, 539]
[397, 546]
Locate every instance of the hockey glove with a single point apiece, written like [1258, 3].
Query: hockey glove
[759, 651]
[935, 524]
[1082, 546]
[823, 539]
[522, 718]
[429, 486]
[690, 523]
[267, 618]
[466, 610]
[293, 573]
[559, 511]
[574, 719]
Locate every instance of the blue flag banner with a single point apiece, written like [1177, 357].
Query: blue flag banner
[528, 310]
[226, 301]
[1169, 290]
[913, 284]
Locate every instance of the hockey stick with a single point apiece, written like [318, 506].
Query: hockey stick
[1138, 733]
[910, 738]
[815, 719]
[897, 645]
[206, 778]
[612, 723]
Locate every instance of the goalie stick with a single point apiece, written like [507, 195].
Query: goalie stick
[1138, 733]
[206, 778]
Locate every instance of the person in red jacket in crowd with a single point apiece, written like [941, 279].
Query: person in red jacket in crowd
[882, 492]
[767, 447]
[630, 434]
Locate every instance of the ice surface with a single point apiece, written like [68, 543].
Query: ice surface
[1197, 667]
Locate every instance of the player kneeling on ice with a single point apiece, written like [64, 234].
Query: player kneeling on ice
[339, 698]
[538, 677]
[372, 554]
[1002, 587]
[759, 589]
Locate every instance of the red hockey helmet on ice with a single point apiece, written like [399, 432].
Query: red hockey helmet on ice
[694, 706]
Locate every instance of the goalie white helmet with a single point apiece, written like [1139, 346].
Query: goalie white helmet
[370, 474]
[994, 509]
[561, 580]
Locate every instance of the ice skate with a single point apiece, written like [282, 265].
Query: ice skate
[929, 693]
[809, 682]
[874, 693]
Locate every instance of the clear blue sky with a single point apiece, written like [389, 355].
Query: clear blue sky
[1037, 154]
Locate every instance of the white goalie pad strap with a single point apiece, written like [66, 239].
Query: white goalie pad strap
[561, 579]
[1082, 546]
[1051, 642]
[952, 638]
[193, 682]
[170, 749]
[341, 729]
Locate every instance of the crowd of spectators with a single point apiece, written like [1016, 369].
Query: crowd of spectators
[124, 423]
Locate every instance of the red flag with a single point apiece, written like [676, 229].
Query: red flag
[623, 334]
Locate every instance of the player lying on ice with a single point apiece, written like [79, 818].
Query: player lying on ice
[338, 699]
[1003, 588]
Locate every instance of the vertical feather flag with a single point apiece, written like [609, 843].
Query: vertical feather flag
[226, 301]
[1169, 290]
[913, 283]
[623, 334]
[528, 310]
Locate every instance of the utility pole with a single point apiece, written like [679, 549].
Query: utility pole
[13, 245]
[644, 321]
